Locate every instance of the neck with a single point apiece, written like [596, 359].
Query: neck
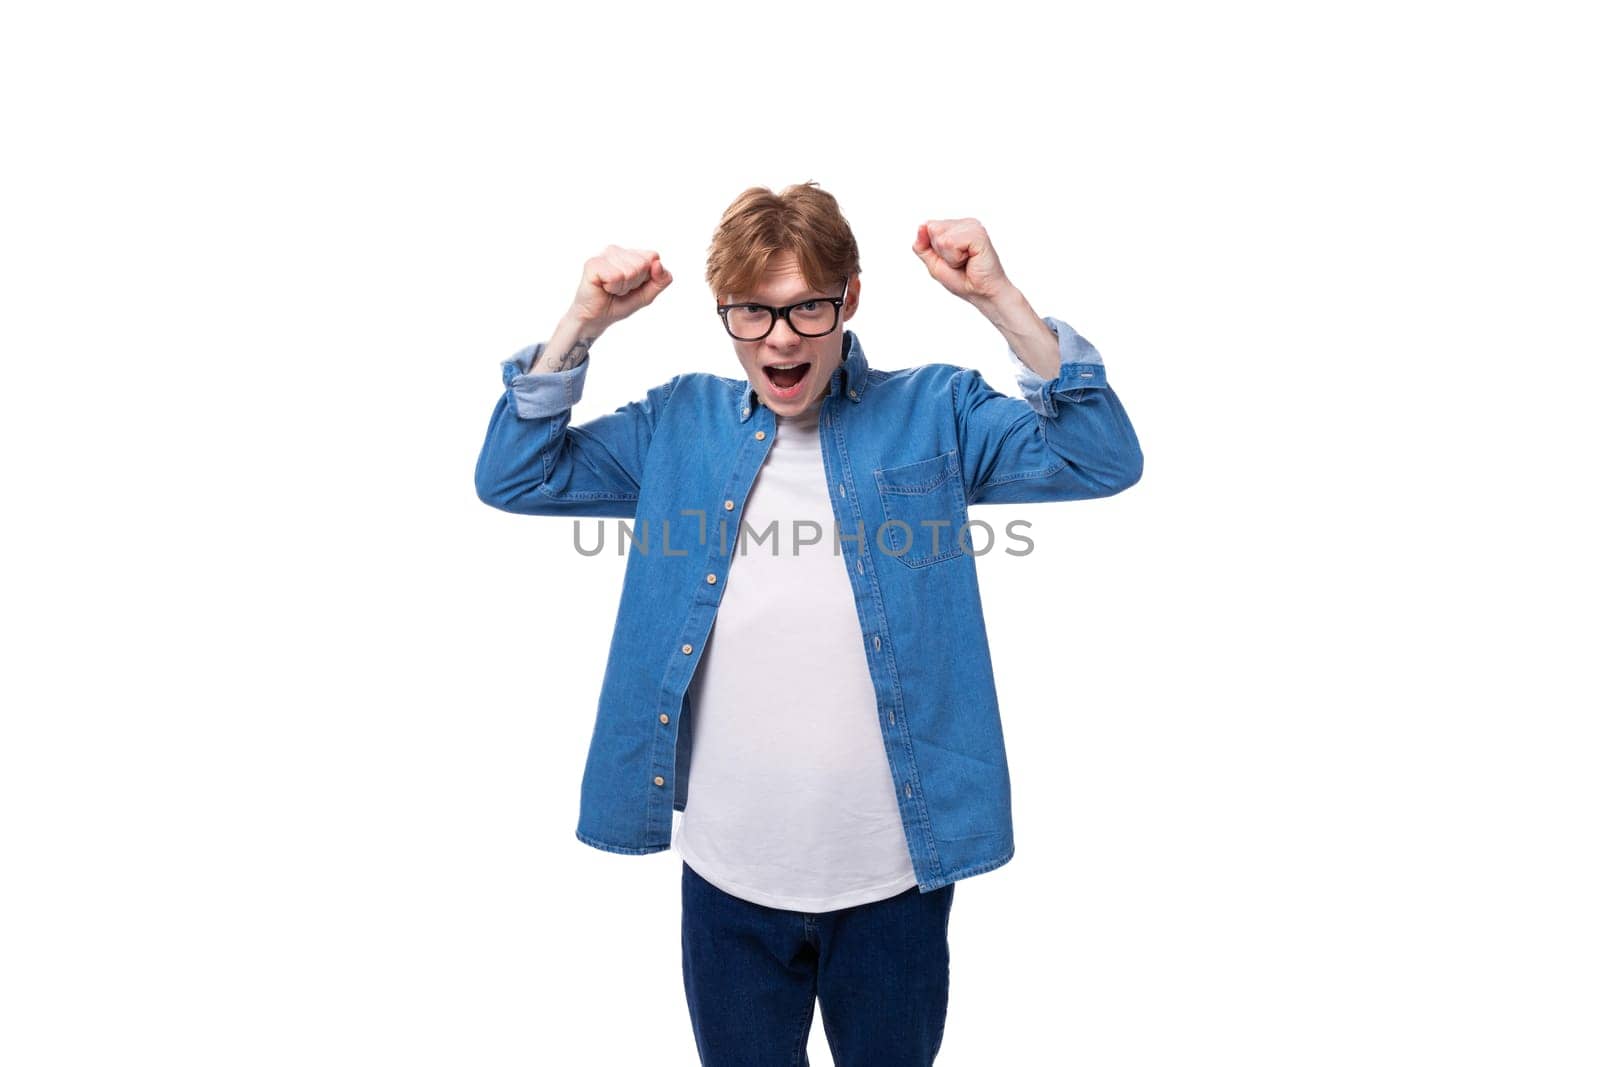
[810, 414]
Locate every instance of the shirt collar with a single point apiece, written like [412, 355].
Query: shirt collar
[849, 378]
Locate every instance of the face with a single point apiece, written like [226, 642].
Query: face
[783, 284]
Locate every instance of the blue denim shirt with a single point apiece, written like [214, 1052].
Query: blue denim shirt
[907, 453]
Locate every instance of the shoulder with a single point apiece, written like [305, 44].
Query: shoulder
[696, 384]
[699, 379]
[919, 381]
[692, 394]
[921, 373]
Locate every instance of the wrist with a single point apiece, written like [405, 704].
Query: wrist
[1009, 310]
[568, 344]
[576, 324]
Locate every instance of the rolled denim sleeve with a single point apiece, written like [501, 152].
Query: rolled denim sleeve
[1081, 368]
[1065, 438]
[541, 395]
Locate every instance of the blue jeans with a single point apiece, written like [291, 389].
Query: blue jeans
[753, 974]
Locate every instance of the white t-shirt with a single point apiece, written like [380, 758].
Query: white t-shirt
[790, 802]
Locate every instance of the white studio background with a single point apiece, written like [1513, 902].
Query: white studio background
[1302, 726]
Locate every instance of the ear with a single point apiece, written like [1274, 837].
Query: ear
[852, 297]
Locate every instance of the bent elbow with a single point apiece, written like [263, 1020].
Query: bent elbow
[1123, 475]
[500, 489]
[489, 494]
[1133, 471]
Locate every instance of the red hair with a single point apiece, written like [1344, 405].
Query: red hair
[759, 224]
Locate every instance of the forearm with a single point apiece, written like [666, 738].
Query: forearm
[1025, 332]
[568, 345]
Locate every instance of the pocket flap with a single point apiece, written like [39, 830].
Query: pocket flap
[919, 476]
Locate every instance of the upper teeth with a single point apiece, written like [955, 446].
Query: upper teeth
[784, 366]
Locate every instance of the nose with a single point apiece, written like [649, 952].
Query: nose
[778, 341]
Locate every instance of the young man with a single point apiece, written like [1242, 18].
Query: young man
[821, 708]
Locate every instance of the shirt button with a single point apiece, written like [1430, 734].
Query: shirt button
[859, 568]
[852, 394]
[876, 644]
[660, 780]
[687, 649]
[711, 579]
[744, 411]
[727, 505]
[908, 786]
[663, 717]
[761, 435]
[841, 489]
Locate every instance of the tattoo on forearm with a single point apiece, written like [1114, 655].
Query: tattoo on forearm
[573, 356]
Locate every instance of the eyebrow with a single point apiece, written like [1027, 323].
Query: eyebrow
[806, 294]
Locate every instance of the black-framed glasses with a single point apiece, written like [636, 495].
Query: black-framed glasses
[809, 318]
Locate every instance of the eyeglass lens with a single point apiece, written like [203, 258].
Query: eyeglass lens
[814, 318]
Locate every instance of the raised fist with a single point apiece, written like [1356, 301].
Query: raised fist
[959, 255]
[618, 282]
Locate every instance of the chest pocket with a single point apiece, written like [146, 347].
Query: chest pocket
[922, 501]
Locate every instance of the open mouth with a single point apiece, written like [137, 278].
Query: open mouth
[786, 379]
